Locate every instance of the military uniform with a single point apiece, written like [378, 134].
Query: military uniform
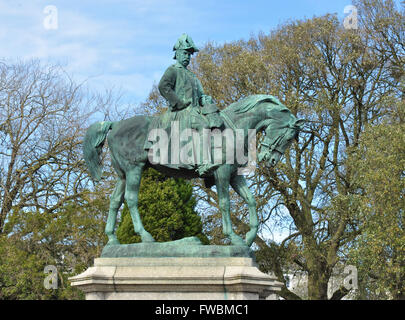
[185, 95]
[183, 91]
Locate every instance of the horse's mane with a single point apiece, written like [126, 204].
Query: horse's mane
[246, 104]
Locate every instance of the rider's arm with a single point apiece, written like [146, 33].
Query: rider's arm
[203, 98]
[166, 89]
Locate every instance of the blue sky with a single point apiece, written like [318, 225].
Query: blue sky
[128, 44]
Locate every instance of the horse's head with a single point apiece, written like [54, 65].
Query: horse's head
[277, 139]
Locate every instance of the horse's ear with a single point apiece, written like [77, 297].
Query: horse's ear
[300, 123]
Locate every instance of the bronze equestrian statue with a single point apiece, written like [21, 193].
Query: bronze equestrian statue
[189, 108]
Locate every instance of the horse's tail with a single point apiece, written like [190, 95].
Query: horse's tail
[93, 145]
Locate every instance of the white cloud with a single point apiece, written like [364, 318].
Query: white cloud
[102, 39]
[118, 40]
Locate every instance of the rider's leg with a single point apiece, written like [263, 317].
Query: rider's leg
[208, 164]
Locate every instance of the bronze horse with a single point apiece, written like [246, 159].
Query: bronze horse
[126, 140]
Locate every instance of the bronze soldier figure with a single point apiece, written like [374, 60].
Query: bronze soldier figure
[187, 102]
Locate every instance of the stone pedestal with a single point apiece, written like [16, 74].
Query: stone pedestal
[175, 278]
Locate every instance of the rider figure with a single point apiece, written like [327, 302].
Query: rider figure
[187, 102]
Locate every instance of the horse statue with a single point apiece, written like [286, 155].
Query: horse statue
[126, 140]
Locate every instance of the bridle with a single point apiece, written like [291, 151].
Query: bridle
[274, 146]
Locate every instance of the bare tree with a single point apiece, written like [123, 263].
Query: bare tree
[341, 81]
[43, 114]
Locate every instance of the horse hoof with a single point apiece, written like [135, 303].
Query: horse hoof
[146, 237]
[112, 242]
[250, 237]
[237, 241]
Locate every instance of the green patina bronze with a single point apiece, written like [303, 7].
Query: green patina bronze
[186, 99]
[186, 247]
[129, 145]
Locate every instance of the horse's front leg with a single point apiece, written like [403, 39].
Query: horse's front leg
[222, 177]
[239, 184]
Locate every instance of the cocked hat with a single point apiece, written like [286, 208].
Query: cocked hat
[186, 43]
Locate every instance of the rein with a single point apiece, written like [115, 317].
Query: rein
[228, 120]
[276, 142]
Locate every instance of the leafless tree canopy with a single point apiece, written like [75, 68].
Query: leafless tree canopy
[43, 114]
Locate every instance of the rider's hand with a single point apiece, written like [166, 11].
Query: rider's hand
[206, 100]
[182, 105]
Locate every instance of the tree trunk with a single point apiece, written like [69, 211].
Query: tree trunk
[317, 286]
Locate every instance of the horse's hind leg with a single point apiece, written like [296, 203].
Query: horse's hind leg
[239, 184]
[116, 200]
[133, 179]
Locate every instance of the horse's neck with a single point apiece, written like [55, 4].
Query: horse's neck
[249, 120]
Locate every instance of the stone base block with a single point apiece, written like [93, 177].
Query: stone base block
[173, 278]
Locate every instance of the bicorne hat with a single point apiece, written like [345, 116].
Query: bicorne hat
[186, 43]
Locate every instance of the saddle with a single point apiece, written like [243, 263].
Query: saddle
[209, 118]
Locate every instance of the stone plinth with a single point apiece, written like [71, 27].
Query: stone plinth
[175, 278]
